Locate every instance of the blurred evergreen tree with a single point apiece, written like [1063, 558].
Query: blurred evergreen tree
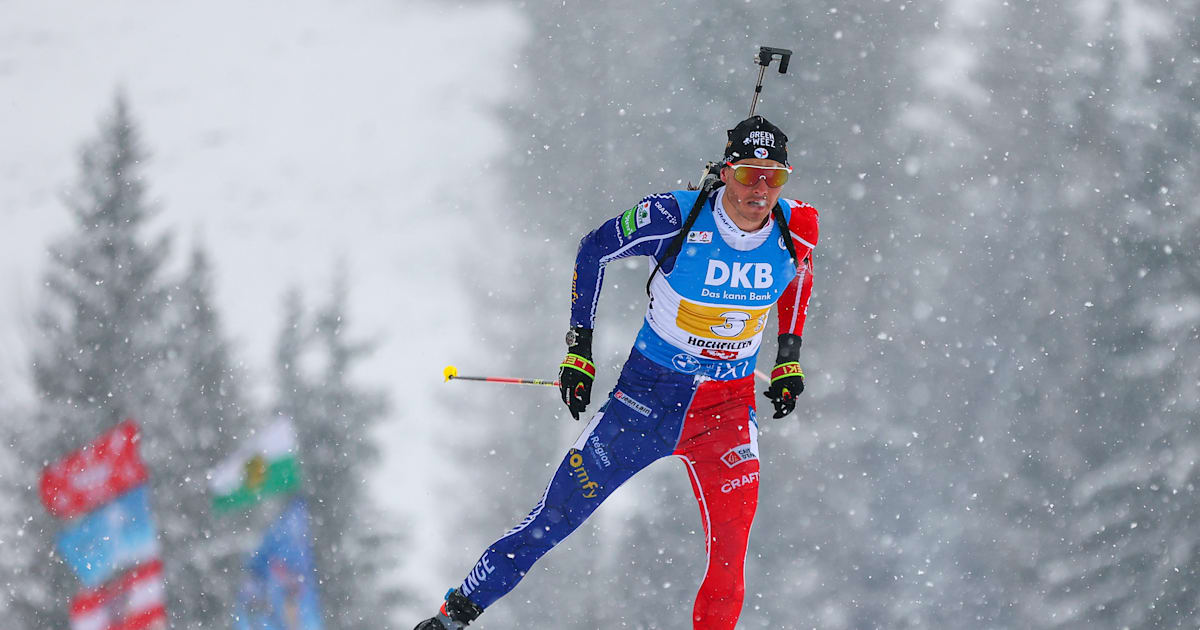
[102, 337]
[1065, 437]
[356, 549]
[120, 340]
[204, 555]
[106, 354]
[1130, 557]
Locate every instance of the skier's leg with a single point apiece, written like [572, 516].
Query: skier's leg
[720, 451]
[639, 424]
[577, 488]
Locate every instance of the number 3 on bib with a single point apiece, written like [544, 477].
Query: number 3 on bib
[735, 324]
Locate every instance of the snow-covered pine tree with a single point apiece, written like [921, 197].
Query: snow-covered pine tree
[118, 341]
[102, 321]
[101, 342]
[334, 417]
[1069, 405]
[209, 413]
[1131, 558]
[16, 552]
[37, 585]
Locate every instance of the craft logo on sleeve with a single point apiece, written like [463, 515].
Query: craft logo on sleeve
[662, 210]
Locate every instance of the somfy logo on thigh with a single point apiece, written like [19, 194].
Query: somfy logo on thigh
[575, 461]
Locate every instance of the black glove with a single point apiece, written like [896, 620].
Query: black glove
[787, 379]
[577, 371]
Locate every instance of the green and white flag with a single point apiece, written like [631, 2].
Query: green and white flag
[266, 465]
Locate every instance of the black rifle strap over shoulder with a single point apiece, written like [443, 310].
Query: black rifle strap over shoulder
[677, 243]
[787, 232]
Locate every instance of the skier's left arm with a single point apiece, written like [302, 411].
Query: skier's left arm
[787, 379]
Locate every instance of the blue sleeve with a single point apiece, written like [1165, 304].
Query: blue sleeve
[643, 230]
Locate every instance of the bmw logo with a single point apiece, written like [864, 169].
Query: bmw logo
[685, 363]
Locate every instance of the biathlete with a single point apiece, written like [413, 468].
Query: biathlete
[687, 389]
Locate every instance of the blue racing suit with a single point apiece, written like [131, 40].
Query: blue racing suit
[686, 389]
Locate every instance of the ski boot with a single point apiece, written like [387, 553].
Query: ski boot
[455, 613]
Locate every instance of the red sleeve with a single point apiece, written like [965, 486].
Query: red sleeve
[793, 304]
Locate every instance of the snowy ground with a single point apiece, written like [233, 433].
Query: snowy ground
[285, 137]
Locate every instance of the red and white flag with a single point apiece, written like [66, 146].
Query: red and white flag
[134, 601]
[94, 474]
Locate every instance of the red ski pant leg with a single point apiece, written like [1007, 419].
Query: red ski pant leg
[719, 446]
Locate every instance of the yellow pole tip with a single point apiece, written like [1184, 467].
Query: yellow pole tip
[450, 372]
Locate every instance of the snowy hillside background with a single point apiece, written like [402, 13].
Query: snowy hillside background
[1002, 345]
[285, 141]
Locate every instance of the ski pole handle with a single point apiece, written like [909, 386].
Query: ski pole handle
[451, 373]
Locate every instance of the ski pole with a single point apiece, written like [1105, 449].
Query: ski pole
[451, 373]
[764, 57]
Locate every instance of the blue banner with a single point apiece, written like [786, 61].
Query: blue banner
[280, 590]
[113, 537]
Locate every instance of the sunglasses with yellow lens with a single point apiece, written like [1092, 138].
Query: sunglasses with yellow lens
[749, 174]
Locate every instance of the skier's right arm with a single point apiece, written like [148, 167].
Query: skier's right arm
[643, 230]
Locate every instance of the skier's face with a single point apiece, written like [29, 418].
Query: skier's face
[749, 205]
